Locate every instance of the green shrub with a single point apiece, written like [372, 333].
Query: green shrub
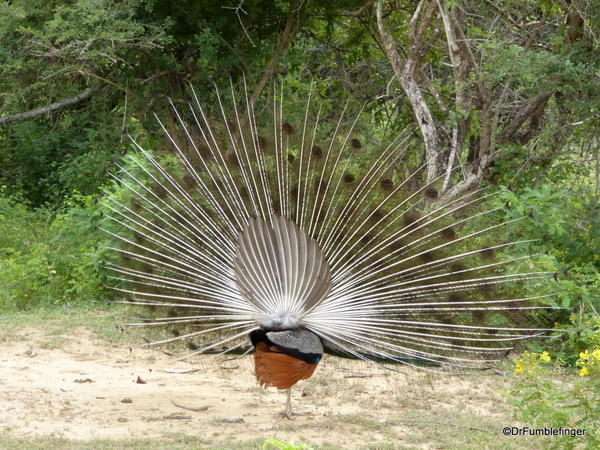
[567, 233]
[546, 396]
[49, 257]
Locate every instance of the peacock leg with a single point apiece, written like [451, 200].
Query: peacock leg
[288, 405]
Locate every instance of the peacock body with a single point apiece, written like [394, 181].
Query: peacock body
[312, 238]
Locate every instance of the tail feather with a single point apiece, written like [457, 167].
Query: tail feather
[281, 270]
[314, 225]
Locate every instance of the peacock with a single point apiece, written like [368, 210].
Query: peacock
[295, 239]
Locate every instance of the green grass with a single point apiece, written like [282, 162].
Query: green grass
[106, 321]
[175, 443]
[468, 432]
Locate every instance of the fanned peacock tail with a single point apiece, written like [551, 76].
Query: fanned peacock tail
[314, 225]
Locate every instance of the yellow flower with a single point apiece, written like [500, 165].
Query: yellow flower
[545, 357]
[584, 355]
[519, 366]
[583, 372]
[596, 354]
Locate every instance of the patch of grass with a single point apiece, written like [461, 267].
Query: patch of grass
[53, 342]
[106, 321]
[281, 445]
[174, 443]
[460, 431]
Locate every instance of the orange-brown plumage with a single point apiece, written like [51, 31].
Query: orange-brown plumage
[276, 369]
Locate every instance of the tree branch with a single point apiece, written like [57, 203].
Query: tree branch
[433, 91]
[291, 26]
[406, 73]
[412, 26]
[46, 109]
[362, 9]
[537, 102]
[460, 70]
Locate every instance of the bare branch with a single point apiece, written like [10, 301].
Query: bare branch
[469, 182]
[405, 72]
[412, 26]
[291, 26]
[460, 69]
[530, 109]
[362, 9]
[237, 10]
[459, 63]
[453, 150]
[423, 77]
[46, 109]
[421, 28]
[503, 13]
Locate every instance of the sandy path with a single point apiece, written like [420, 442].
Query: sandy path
[88, 389]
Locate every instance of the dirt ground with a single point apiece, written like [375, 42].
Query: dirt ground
[85, 388]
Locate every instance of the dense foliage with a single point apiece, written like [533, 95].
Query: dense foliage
[544, 400]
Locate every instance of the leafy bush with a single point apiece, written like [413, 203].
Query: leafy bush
[548, 397]
[567, 233]
[45, 163]
[49, 257]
